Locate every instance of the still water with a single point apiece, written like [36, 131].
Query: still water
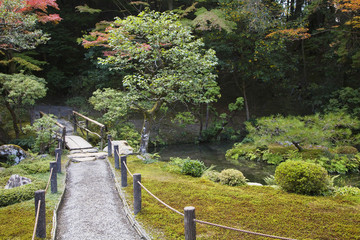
[214, 154]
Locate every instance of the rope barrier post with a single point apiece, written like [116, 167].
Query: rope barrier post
[60, 143]
[137, 193]
[53, 165]
[189, 223]
[116, 156]
[75, 123]
[123, 172]
[41, 223]
[109, 146]
[58, 159]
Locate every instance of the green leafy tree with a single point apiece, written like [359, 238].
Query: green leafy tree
[327, 130]
[44, 129]
[18, 91]
[167, 63]
[19, 31]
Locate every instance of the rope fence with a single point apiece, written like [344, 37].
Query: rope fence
[36, 220]
[189, 212]
[40, 208]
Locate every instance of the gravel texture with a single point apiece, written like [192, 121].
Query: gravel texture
[92, 208]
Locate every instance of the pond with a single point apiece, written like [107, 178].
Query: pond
[214, 154]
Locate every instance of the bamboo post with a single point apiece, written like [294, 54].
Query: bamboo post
[189, 223]
[137, 193]
[58, 159]
[41, 223]
[53, 165]
[109, 146]
[123, 172]
[116, 156]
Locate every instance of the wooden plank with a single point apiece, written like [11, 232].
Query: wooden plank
[76, 142]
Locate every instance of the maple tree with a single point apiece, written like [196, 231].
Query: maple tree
[166, 64]
[19, 31]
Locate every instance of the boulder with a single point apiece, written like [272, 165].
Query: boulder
[17, 181]
[124, 147]
[13, 153]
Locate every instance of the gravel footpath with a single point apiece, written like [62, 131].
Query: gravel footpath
[92, 208]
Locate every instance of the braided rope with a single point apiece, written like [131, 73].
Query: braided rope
[36, 219]
[239, 230]
[166, 205]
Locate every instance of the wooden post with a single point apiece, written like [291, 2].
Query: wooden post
[137, 193]
[53, 165]
[63, 137]
[58, 159]
[109, 146]
[189, 223]
[116, 156]
[75, 125]
[123, 172]
[87, 127]
[102, 138]
[41, 223]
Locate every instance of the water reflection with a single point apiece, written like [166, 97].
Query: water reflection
[214, 154]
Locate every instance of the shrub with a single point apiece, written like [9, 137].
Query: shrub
[22, 193]
[232, 177]
[347, 190]
[302, 177]
[193, 168]
[270, 180]
[346, 150]
[212, 175]
[186, 166]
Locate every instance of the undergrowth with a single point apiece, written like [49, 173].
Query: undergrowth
[17, 220]
[260, 209]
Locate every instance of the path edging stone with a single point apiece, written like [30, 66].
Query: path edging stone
[127, 210]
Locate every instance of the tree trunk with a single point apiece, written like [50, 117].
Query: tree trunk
[145, 137]
[296, 144]
[14, 119]
[246, 102]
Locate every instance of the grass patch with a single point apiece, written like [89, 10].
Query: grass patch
[260, 209]
[17, 220]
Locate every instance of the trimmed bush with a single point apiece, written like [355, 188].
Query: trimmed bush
[347, 190]
[232, 177]
[22, 193]
[193, 168]
[212, 175]
[346, 150]
[302, 177]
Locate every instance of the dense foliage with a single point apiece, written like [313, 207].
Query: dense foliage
[232, 177]
[166, 64]
[302, 177]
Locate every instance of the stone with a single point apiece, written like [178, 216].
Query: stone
[17, 181]
[124, 147]
[13, 153]
[254, 184]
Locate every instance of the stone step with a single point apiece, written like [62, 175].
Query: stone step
[84, 159]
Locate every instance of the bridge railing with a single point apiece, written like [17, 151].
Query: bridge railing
[77, 124]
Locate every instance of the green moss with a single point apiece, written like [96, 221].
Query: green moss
[17, 220]
[261, 209]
